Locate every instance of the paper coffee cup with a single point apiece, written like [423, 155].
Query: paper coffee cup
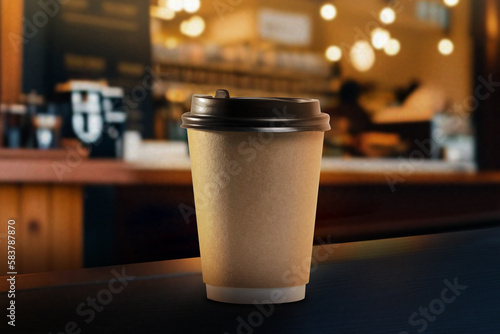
[255, 166]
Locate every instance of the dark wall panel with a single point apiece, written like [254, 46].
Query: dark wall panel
[91, 39]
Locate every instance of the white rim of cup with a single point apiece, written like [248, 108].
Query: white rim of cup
[256, 296]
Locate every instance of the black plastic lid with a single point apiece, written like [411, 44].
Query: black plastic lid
[223, 113]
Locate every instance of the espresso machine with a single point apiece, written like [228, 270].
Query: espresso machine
[80, 105]
[115, 117]
[93, 113]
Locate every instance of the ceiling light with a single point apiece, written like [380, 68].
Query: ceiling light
[193, 27]
[328, 12]
[362, 56]
[451, 3]
[175, 5]
[387, 15]
[445, 46]
[380, 37]
[333, 53]
[191, 6]
[392, 47]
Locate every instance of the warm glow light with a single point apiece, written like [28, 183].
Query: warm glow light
[380, 37]
[445, 46]
[387, 15]
[175, 5]
[333, 53]
[162, 13]
[451, 3]
[176, 95]
[191, 6]
[171, 43]
[185, 27]
[197, 25]
[193, 27]
[362, 56]
[392, 47]
[328, 12]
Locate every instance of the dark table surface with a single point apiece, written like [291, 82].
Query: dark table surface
[399, 285]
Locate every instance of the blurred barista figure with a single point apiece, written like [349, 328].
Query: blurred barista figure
[349, 121]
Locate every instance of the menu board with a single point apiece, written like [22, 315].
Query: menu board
[285, 28]
[92, 40]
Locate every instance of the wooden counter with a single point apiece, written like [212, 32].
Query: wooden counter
[44, 191]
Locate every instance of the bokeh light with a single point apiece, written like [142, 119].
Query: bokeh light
[380, 37]
[175, 5]
[328, 12]
[392, 47]
[446, 46]
[362, 56]
[193, 27]
[451, 3]
[191, 6]
[387, 15]
[333, 53]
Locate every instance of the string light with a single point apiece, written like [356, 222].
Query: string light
[380, 37]
[387, 15]
[362, 56]
[392, 47]
[193, 27]
[171, 43]
[328, 11]
[162, 13]
[175, 5]
[451, 3]
[446, 47]
[333, 53]
[191, 6]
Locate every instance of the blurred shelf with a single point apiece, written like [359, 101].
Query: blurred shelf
[245, 69]
[242, 77]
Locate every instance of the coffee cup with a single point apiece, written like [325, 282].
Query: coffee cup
[255, 168]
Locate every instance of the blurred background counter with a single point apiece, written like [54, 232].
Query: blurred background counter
[74, 211]
[169, 163]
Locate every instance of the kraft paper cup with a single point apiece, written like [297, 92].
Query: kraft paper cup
[255, 196]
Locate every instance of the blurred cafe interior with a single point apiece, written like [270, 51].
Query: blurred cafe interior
[94, 164]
